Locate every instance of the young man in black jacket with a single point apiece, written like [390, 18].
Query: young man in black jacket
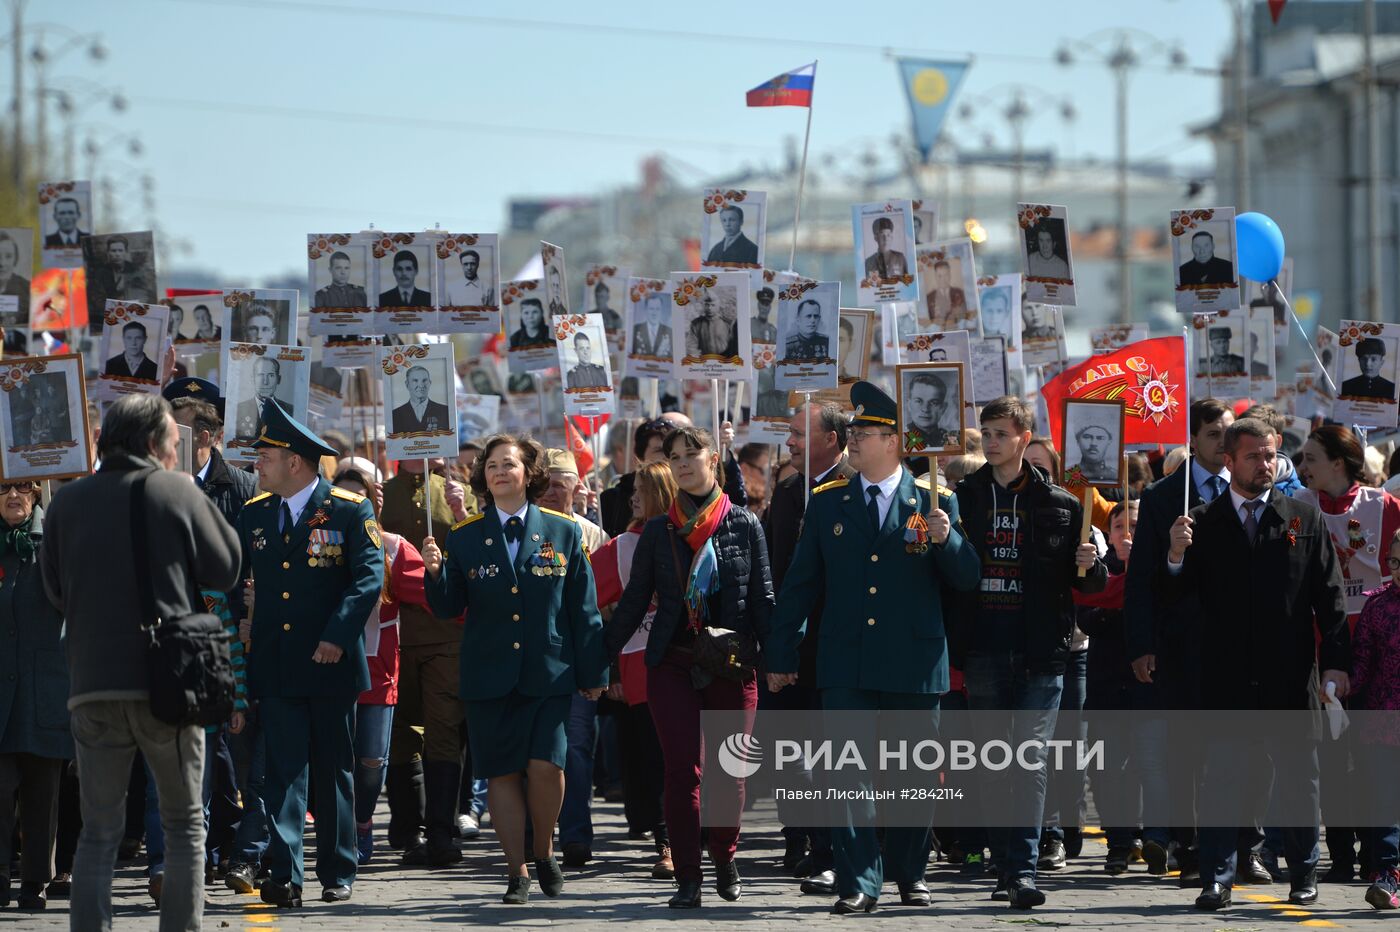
[1011, 637]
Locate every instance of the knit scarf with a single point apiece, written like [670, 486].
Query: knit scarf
[697, 525]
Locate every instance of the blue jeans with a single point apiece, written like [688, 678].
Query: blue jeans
[372, 726]
[1064, 791]
[1379, 760]
[576, 815]
[1134, 779]
[1000, 682]
[250, 763]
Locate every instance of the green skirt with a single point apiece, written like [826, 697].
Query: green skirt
[505, 734]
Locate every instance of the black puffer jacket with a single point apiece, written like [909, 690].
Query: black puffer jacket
[746, 589]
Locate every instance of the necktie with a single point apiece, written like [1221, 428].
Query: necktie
[199, 481]
[873, 506]
[1251, 519]
[1217, 487]
[406, 297]
[514, 530]
[286, 518]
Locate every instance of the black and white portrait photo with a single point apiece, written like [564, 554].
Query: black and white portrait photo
[529, 339]
[805, 327]
[65, 220]
[555, 279]
[469, 275]
[733, 229]
[132, 349]
[711, 312]
[887, 250]
[1261, 344]
[419, 398]
[1045, 253]
[930, 408]
[1221, 354]
[1203, 253]
[204, 326]
[711, 325]
[948, 279]
[16, 261]
[925, 222]
[1206, 266]
[482, 379]
[340, 279]
[1042, 333]
[1093, 441]
[1001, 312]
[583, 363]
[133, 361]
[405, 276]
[604, 293]
[1369, 369]
[885, 256]
[649, 341]
[44, 413]
[263, 316]
[762, 325]
[853, 344]
[254, 375]
[120, 267]
[530, 325]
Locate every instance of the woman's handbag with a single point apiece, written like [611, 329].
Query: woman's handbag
[722, 652]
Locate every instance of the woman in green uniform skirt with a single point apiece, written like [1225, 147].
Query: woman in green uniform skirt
[532, 637]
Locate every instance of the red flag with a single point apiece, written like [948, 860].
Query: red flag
[586, 424]
[583, 456]
[1276, 9]
[1149, 376]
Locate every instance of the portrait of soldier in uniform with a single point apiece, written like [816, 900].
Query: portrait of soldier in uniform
[341, 292]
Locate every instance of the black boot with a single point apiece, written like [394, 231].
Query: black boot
[403, 785]
[443, 782]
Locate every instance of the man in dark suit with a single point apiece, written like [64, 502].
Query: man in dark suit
[1260, 571]
[248, 417]
[12, 282]
[420, 414]
[132, 362]
[66, 213]
[1370, 353]
[1205, 268]
[735, 248]
[652, 337]
[808, 852]
[406, 294]
[118, 278]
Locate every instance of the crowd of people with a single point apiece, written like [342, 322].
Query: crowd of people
[555, 635]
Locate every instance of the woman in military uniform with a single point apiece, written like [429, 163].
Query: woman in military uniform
[532, 637]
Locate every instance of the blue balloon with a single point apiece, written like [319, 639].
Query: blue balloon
[1260, 244]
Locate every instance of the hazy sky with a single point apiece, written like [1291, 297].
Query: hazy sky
[264, 120]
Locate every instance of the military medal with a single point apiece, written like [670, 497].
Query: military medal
[916, 534]
[320, 517]
[837, 529]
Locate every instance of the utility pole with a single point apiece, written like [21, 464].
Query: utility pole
[1241, 108]
[41, 129]
[1373, 161]
[17, 108]
[1120, 63]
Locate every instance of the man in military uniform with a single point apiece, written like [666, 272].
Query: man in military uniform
[1095, 443]
[876, 545]
[612, 320]
[267, 375]
[340, 293]
[423, 781]
[587, 374]
[927, 401]
[709, 334]
[1222, 361]
[884, 262]
[1370, 353]
[314, 553]
[120, 279]
[420, 414]
[807, 343]
[763, 331]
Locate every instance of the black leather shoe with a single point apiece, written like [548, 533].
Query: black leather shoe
[727, 882]
[1252, 869]
[860, 903]
[335, 894]
[1116, 861]
[576, 854]
[281, 895]
[1022, 893]
[31, 897]
[1156, 857]
[793, 853]
[415, 851]
[1340, 872]
[822, 883]
[1213, 897]
[1303, 891]
[806, 867]
[549, 876]
[687, 895]
[915, 894]
[240, 878]
[517, 892]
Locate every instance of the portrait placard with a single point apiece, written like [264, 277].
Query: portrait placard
[468, 270]
[768, 416]
[483, 379]
[530, 346]
[1000, 314]
[261, 315]
[16, 265]
[326, 397]
[1276, 295]
[712, 312]
[649, 340]
[929, 396]
[945, 346]
[119, 267]
[581, 341]
[604, 293]
[351, 351]
[1221, 369]
[342, 285]
[988, 368]
[1042, 334]
[554, 280]
[884, 238]
[133, 343]
[478, 416]
[948, 280]
[404, 276]
[1367, 358]
[43, 406]
[1261, 362]
[1104, 340]
[1045, 256]
[420, 403]
[925, 222]
[1203, 256]
[184, 448]
[732, 231]
[1093, 442]
[196, 323]
[898, 324]
[808, 335]
[253, 374]
[856, 330]
[65, 220]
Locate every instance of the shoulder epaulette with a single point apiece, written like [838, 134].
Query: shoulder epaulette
[346, 494]
[923, 482]
[465, 521]
[258, 498]
[945, 491]
[833, 484]
[559, 514]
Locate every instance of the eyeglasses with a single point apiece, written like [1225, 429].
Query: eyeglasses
[1393, 563]
[21, 487]
[860, 436]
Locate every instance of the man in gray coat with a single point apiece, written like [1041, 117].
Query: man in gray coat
[89, 574]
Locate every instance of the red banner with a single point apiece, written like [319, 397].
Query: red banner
[1149, 376]
[583, 456]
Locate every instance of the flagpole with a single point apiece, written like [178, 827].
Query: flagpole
[1186, 393]
[802, 173]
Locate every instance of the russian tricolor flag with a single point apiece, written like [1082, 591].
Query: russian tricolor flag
[793, 89]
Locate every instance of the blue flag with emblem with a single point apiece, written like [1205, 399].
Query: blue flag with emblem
[930, 87]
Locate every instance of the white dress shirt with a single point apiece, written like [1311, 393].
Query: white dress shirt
[1201, 476]
[513, 546]
[1238, 501]
[297, 503]
[886, 496]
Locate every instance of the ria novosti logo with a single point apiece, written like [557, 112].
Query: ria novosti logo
[740, 755]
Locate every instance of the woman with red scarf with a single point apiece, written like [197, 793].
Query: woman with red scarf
[1361, 521]
[705, 564]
